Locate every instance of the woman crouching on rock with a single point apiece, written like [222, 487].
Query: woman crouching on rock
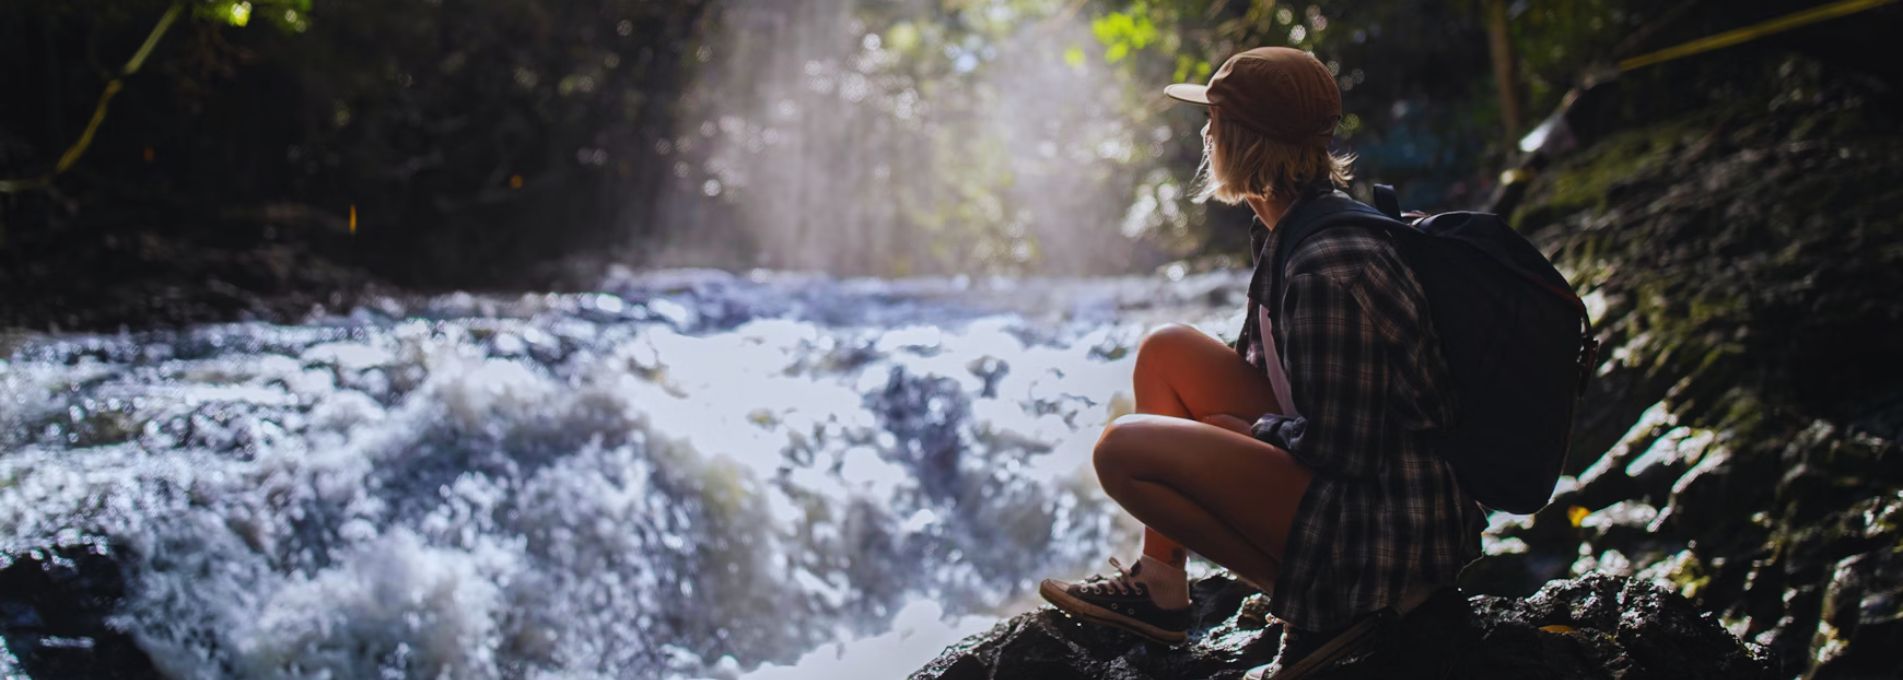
[1299, 459]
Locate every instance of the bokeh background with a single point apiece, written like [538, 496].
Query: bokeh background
[479, 144]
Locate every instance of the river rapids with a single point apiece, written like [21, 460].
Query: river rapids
[680, 475]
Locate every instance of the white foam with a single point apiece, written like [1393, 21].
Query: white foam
[919, 632]
[592, 499]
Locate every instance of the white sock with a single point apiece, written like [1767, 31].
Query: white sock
[1169, 585]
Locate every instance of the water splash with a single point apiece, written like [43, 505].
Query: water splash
[684, 474]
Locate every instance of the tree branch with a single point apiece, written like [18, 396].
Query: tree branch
[78, 149]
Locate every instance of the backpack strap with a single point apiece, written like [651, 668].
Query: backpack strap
[1304, 220]
[1387, 201]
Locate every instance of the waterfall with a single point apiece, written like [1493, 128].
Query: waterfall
[681, 474]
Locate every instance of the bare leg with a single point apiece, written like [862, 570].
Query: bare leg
[1218, 491]
[1183, 373]
[1226, 495]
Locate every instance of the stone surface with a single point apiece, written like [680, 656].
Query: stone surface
[1740, 443]
[1596, 626]
[55, 615]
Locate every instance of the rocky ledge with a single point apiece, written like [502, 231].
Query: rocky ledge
[56, 609]
[1595, 626]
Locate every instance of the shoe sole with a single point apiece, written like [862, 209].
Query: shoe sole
[1055, 595]
[1351, 641]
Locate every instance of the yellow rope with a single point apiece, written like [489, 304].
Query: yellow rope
[1753, 32]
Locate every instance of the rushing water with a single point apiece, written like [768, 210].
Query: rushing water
[685, 474]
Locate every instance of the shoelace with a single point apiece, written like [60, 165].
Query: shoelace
[1123, 584]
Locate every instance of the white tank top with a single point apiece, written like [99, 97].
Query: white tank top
[1272, 362]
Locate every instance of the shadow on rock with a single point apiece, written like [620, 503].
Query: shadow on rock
[1596, 626]
[55, 613]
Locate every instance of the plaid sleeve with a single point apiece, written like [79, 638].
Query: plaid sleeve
[1338, 375]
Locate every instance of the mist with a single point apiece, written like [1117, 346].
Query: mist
[867, 138]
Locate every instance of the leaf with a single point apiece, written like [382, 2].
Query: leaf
[1074, 57]
[1191, 69]
[1142, 32]
[237, 13]
[1110, 28]
[1577, 514]
[1561, 629]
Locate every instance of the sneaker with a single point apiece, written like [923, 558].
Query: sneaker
[1305, 653]
[1122, 601]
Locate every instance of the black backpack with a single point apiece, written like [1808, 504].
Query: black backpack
[1518, 343]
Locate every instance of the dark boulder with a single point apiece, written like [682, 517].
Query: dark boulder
[56, 606]
[1596, 626]
[1740, 442]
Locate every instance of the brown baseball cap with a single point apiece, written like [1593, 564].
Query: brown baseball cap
[1286, 94]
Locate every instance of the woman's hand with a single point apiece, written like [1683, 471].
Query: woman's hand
[1230, 423]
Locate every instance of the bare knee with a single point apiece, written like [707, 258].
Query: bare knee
[1163, 342]
[1120, 450]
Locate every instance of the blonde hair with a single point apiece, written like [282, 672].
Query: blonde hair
[1239, 163]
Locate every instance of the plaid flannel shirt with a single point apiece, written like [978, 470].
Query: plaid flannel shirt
[1384, 514]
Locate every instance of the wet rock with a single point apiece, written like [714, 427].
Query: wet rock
[1596, 626]
[1048, 644]
[1749, 388]
[55, 613]
[158, 282]
[990, 369]
[925, 414]
[1862, 617]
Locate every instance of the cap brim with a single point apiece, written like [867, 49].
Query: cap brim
[1188, 92]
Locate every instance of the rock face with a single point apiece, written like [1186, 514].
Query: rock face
[1596, 626]
[55, 614]
[158, 282]
[1741, 442]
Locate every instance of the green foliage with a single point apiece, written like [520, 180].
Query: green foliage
[1421, 109]
[1124, 32]
[1585, 181]
[1415, 80]
[468, 139]
[289, 15]
[1557, 40]
[460, 122]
